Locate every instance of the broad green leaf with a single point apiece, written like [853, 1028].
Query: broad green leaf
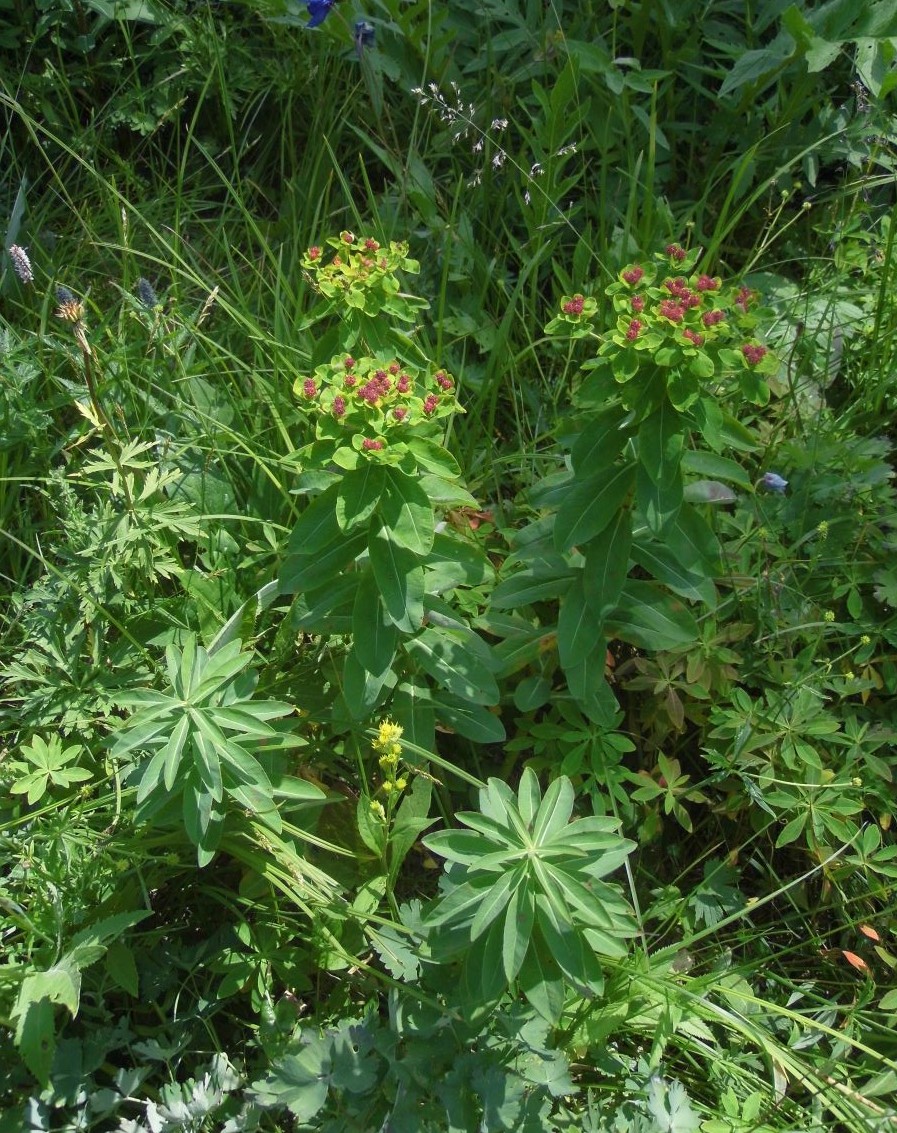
[456, 561]
[485, 978]
[792, 830]
[143, 727]
[590, 690]
[607, 563]
[109, 928]
[659, 503]
[374, 635]
[410, 820]
[317, 527]
[468, 719]
[600, 442]
[59, 984]
[531, 693]
[35, 1037]
[450, 658]
[361, 688]
[526, 587]
[708, 492]
[711, 465]
[568, 950]
[691, 539]
[434, 458]
[151, 776]
[446, 493]
[590, 505]
[407, 513]
[660, 443]
[122, 968]
[412, 707]
[245, 768]
[650, 619]
[299, 1081]
[660, 562]
[327, 610]
[250, 717]
[259, 803]
[521, 649]
[461, 903]
[358, 494]
[400, 578]
[311, 571]
[208, 764]
[578, 626]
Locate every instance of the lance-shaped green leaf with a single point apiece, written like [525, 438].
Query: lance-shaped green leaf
[358, 494]
[607, 563]
[457, 660]
[400, 580]
[659, 503]
[374, 635]
[578, 626]
[590, 505]
[660, 443]
[407, 513]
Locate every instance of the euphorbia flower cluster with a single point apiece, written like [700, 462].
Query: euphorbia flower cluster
[687, 322]
[360, 270]
[371, 403]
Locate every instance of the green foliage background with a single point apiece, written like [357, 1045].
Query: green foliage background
[511, 748]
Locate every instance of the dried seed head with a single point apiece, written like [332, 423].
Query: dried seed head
[70, 307]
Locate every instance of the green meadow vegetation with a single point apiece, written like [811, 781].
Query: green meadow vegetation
[448, 647]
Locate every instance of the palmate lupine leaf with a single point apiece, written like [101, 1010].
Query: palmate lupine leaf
[523, 901]
[197, 740]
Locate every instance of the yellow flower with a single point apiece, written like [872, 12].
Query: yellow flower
[387, 735]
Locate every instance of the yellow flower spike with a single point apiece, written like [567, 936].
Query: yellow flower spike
[401, 784]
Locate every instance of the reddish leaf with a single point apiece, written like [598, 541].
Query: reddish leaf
[855, 961]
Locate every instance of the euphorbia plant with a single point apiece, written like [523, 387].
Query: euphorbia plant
[682, 342]
[370, 555]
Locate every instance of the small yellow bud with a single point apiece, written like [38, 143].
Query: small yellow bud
[822, 529]
[849, 676]
[401, 784]
[856, 781]
[828, 616]
[865, 639]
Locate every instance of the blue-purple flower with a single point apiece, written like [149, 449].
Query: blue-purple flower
[773, 482]
[318, 11]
